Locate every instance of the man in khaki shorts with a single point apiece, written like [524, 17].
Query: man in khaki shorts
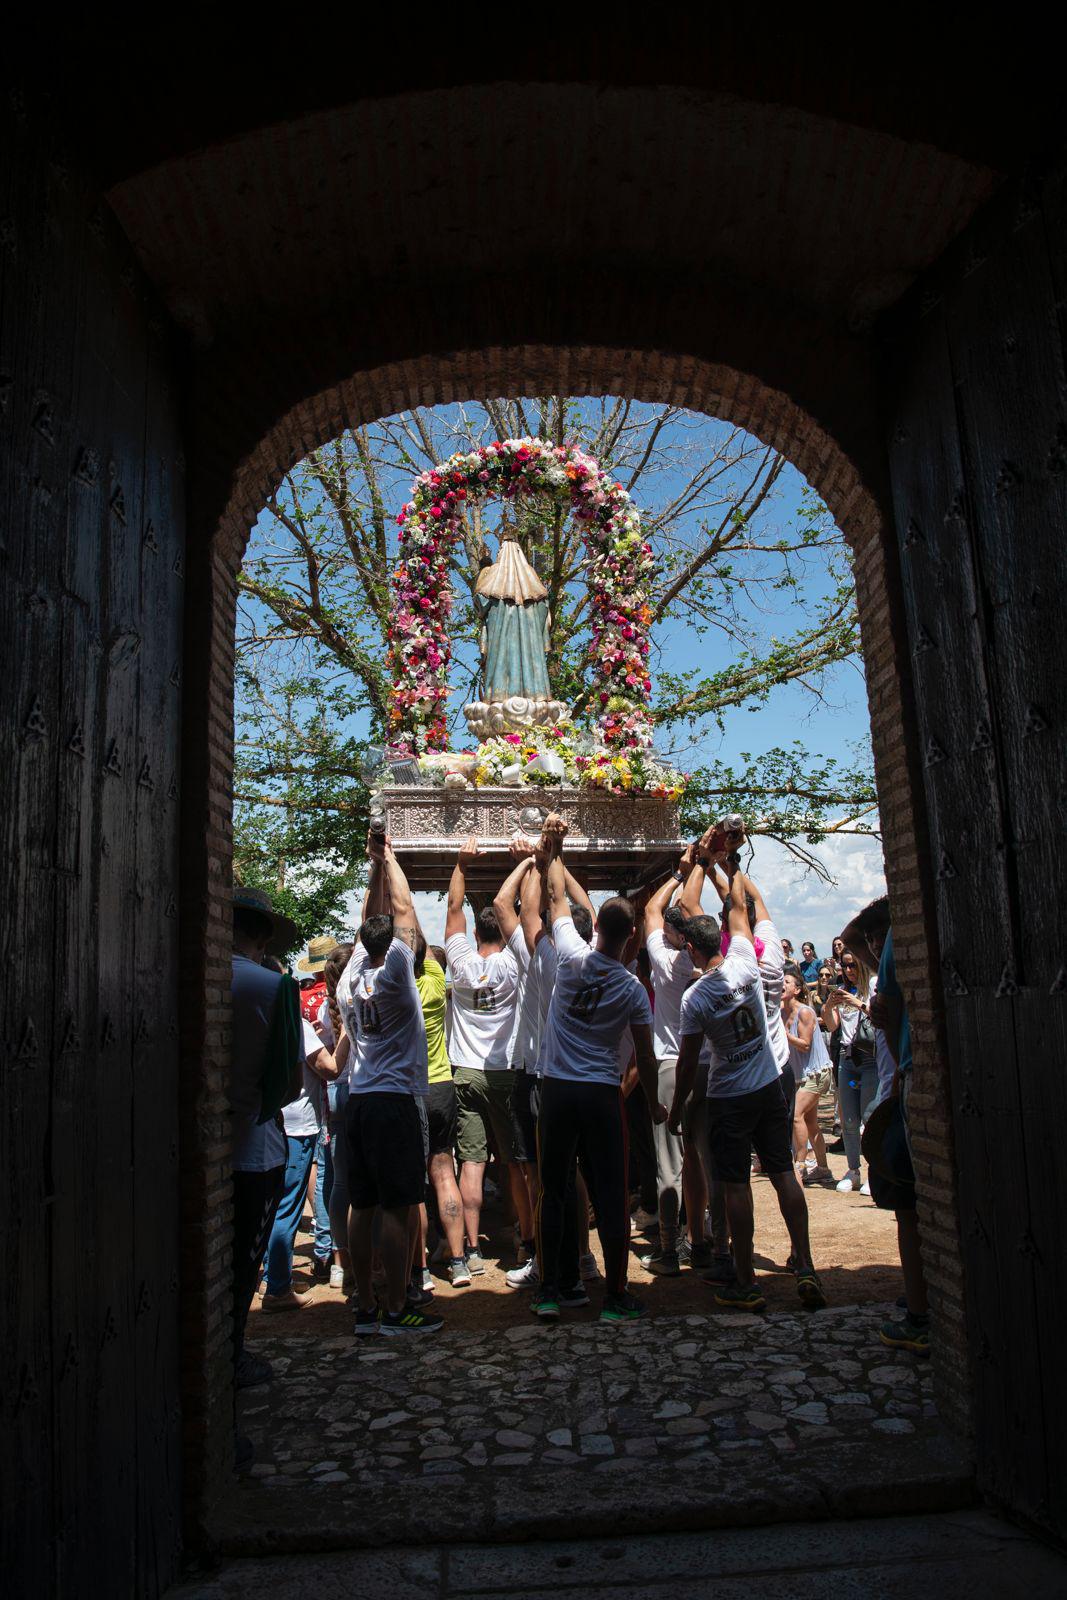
[485, 985]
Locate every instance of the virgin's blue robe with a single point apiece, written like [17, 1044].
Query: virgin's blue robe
[515, 641]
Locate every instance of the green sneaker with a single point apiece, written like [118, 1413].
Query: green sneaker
[545, 1305]
[906, 1335]
[623, 1307]
[738, 1299]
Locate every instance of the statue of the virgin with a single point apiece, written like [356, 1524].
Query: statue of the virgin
[512, 604]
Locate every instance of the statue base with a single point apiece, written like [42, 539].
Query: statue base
[615, 842]
[488, 719]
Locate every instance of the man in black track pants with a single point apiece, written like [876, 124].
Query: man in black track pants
[594, 1001]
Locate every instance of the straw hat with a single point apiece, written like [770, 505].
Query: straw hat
[286, 933]
[315, 960]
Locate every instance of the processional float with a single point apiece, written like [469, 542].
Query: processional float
[529, 753]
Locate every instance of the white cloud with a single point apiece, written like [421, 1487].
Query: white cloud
[803, 907]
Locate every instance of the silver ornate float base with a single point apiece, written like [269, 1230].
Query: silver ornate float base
[614, 842]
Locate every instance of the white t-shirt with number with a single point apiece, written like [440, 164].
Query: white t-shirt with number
[772, 971]
[383, 1018]
[484, 994]
[726, 1005]
[672, 973]
[594, 1001]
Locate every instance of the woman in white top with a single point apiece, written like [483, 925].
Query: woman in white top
[810, 1064]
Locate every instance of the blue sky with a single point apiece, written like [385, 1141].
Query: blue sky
[830, 722]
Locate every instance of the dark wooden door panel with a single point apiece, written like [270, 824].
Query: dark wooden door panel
[976, 437]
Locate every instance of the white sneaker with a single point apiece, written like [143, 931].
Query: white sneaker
[644, 1220]
[848, 1183]
[459, 1275]
[588, 1268]
[526, 1277]
[337, 1277]
[865, 1188]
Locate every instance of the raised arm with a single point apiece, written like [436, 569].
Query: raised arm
[661, 899]
[455, 916]
[762, 914]
[504, 903]
[576, 893]
[374, 901]
[405, 922]
[551, 847]
[530, 907]
[736, 907]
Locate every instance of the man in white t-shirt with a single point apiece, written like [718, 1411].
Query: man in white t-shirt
[672, 971]
[530, 941]
[594, 1001]
[746, 1104]
[485, 987]
[386, 1158]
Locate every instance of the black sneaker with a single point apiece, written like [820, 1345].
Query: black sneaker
[623, 1307]
[720, 1269]
[252, 1371]
[320, 1269]
[544, 1303]
[410, 1320]
[662, 1263]
[366, 1321]
[573, 1298]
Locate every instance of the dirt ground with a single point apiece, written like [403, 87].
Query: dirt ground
[853, 1246]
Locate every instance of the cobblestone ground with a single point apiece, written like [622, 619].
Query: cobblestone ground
[534, 1398]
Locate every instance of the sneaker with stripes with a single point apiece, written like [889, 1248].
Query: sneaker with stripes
[410, 1320]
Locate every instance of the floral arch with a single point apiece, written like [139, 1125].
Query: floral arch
[618, 570]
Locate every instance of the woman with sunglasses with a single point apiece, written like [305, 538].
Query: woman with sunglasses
[857, 1080]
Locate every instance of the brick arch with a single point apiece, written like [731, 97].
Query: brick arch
[850, 488]
[718, 391]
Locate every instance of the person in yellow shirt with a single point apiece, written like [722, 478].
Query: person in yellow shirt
[441, 1111]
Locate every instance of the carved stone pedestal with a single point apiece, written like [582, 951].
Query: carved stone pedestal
[614, 842]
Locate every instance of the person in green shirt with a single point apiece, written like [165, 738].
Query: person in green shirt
[441, 1111]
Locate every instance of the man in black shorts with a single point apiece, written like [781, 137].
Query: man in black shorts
[383, 1131]
[746, 1105]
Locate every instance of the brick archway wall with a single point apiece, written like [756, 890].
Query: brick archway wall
[854, 492]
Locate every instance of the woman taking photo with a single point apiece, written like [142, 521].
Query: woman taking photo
[810, 1063]
[857, 1076]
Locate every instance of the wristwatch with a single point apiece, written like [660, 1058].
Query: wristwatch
[679, 877]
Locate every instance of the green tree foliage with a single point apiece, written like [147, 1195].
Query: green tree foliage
[315, 602]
